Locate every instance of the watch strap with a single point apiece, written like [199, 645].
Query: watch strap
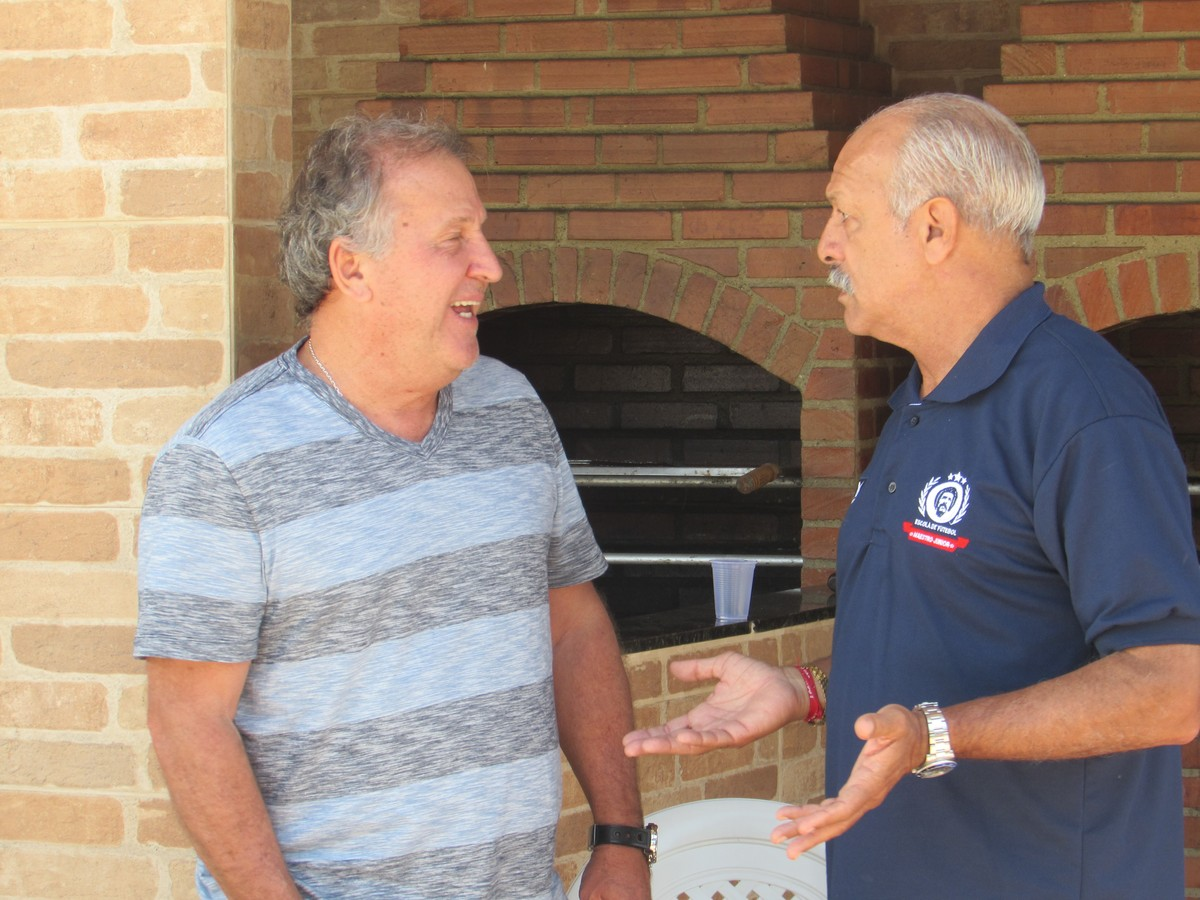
[644, 839]
[939, 755]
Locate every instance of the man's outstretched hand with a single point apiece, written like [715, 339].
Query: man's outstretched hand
[751, 699]
[895, 743]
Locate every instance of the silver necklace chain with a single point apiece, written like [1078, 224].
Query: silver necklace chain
[320, 365]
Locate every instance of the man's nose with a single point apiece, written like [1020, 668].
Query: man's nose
[829, 247]
[486, 265]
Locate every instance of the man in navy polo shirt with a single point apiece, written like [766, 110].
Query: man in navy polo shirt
[1018, 588]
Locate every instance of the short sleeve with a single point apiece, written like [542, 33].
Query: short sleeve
[201, 589]
[1113, 516]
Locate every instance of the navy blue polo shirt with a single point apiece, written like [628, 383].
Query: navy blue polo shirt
[1028, 516]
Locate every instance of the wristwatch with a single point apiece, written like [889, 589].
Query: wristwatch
[939, 757]
[644, 839]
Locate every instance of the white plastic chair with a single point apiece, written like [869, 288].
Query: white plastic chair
[714, 849]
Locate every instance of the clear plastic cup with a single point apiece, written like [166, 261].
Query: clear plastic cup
[732, 580]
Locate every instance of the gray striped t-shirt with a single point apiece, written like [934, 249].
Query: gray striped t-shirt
[392, 597]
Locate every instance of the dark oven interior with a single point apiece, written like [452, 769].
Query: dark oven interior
[659, 422]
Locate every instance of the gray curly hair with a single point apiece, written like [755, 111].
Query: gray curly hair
[964, 149]
[339, 193]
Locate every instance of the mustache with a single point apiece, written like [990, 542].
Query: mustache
[839, 279]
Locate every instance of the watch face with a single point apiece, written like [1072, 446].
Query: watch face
[933, 770]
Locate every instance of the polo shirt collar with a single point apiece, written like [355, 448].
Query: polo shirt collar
[987, 358]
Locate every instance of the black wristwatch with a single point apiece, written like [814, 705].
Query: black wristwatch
[644, 839]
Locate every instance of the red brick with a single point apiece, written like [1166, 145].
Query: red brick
[566, 274]
[735, 224]
[480, 76]
[687, 72]
[696, 301]
[627, 6]
[783, 298]
[1139, 97]
[722, 260]
[496, 189]
[790, 108]
[1122, 57]
[594, 275]
[584, 74]
[1133, 279]
[567, 190]
[663, 286]
[646, 34]
[555, 37]
[1190, 182]
[629, 280]
[520, 226]
[500, 9]
[543, 150]
[513, 112]
[1073, 220]
[829, 383]
[820, 303]
[400, 77]
[815, 149]
[1097, 17]
[1163, 219]
[824, 502]
[1086, 139]
[646, 109]
[726, 319]
[1099, 307]
[1128, 177]
[714, 148]
[780, 187]
[619, 226]
[827, 462]
[1022, 100]
[1173, 137]
[748, 32]
[1028, 60]
[1171, 15]
[1176, 291]
[784, 262]
[629, 149]
[761, 334]
[432, 40]
[1063, 261]
[836, 343]
[535, 272]
[794, 353]
[443, 9]
[657, 188]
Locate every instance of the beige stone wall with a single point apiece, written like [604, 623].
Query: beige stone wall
[787, 766]
[117, 187]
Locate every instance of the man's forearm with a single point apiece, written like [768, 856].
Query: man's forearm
[1130, 700]
[595, 712]
[218, 801]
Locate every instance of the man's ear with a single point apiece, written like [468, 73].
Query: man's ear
[939, 223]
[346, 269]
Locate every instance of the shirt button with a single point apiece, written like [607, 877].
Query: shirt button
[914, 420]
[891, 487]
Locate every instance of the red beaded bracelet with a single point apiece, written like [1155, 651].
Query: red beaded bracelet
[816, 710]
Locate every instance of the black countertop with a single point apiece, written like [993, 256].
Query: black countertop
[691, 625]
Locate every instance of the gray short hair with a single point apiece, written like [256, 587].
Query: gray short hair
[964, 149]
[339, 193]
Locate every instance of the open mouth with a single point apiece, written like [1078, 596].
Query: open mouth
[465, 309]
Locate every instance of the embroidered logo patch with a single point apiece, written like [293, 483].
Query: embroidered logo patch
[942, 504]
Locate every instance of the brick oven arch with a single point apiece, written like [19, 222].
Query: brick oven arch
[763, 324]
